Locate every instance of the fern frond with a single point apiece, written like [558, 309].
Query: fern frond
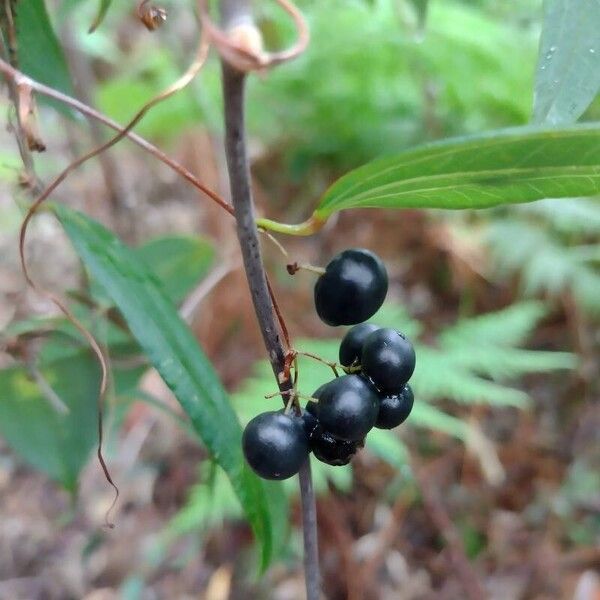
[438, 375]
[572, 216]
[507, 327]
[548, 246]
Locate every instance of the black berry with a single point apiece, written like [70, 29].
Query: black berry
[331, 450]
[352, 288]
[351, 346]
[312, 407]
[348, 407]
[394, 410]
[388, 359]
[275, 445]
[309, 419]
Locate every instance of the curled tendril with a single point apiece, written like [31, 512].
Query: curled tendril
[241, 45]
[183, 81]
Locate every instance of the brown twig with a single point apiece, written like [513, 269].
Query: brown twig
[387, 536]
[439, 516]
[186, 78]
[84, 83]
[31, 179]
[103, 367]
[12, 74]
[331, 514]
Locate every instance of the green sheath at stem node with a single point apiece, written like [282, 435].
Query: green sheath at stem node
[308, 227]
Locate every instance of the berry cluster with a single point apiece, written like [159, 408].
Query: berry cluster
[374, 392]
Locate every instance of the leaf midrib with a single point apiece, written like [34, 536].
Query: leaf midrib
[424, 153]
[368, 196]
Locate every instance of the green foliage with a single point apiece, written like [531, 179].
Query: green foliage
[208, 504]
[369, 85]
[53, 426]
[178, 262]
[48, 406]
[568, 70]
[175, 354]
[518, 165]
[552, 246]
[38, 49]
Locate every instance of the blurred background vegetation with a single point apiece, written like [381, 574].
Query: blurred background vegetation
[502, 303]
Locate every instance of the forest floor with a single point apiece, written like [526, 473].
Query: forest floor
[533, 534]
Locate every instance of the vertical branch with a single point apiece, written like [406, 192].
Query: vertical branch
[243, 205]
[312, 574]
[233, 12]
[8, 50]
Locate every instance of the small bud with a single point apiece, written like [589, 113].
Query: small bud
[151, 16]
[248, 38]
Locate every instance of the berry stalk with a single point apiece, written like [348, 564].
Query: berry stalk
[233, 81]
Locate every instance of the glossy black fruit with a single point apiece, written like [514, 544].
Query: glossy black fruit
[309, 414]
[275, 445]
[394, 410]
[351, 346]
[388, 359]
[352, 288]
[309, 419]
[348, 407]
[331, 450]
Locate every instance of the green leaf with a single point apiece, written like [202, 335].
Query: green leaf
[53, 430]
[178, 262]
[567, 77]
[39, 52]
[103, 7]
[517, 165]
[173, 350]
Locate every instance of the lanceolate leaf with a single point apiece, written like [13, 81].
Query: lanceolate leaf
[512, 166]
[39, 53]
[568, 71]
[179, 262]
[172, 349]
